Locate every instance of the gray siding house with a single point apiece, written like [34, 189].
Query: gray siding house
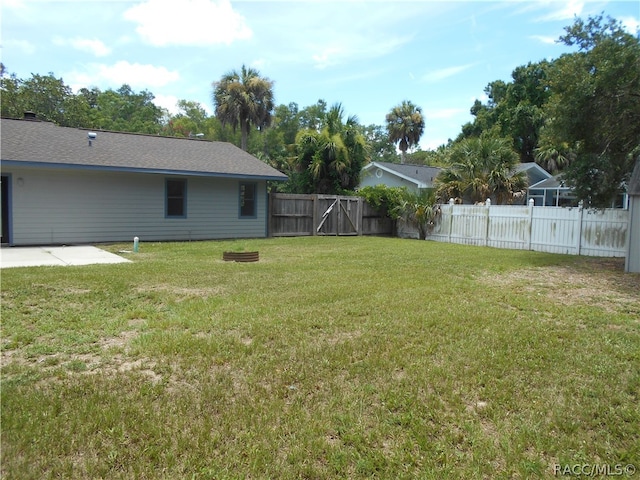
[73, 186]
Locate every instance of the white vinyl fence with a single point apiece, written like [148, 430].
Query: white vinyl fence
[575, 231]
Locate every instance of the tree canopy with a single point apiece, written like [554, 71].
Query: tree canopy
[243, 99]
[51, 100]
[329, 160]
[593, 113]
[405, 125]
[481, 168]
[578, 115]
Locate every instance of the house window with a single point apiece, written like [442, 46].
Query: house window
[176, 198]
[248, 200]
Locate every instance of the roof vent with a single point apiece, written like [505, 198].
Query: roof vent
[29, 115]
[91, 136]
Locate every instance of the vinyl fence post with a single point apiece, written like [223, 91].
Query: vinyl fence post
[530, 226]
[579, 239]
[486, 229]
[451, 204]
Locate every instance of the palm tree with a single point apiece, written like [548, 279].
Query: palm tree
[330, 160]
[419, 210]
[481, 168]
[552, 158]
[405, 125]
[244, 99]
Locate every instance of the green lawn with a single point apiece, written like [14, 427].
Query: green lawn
[329, 358]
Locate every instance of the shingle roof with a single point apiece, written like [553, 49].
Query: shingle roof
[42, 143]
[420, 173]
[535, 173]
[551, 182]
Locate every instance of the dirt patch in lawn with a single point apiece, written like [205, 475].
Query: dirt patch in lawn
[183, 293]
[82, 363]
[597, 282]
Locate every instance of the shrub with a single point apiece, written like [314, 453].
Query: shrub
[386, 199]
[419, 210]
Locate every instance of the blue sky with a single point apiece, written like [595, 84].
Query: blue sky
[368, 55]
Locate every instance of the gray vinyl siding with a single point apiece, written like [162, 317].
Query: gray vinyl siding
[66, 206]
[369, 179]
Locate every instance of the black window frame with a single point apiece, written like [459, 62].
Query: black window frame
[247, 203]
[174, 198]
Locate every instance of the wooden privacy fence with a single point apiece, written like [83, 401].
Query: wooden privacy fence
[576, 231]
[300, 215]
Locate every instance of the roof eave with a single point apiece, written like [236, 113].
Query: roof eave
[157, 171]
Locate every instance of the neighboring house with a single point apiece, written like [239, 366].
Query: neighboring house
[545, 189]
[417, 177]
[413, 177]
[551, 191]
[72, 186]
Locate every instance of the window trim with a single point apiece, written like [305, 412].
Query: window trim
[166, 197]
[254, 187]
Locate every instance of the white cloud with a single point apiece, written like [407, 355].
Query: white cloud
[433, 143]
[329, 56]
[113, 76]
[352, 46]
[329, 34]
[632, 25]
[484, 98]
[544, 39]
[23, 46]
[562, 11]
[259, 63]
[444, 73]
[188, 22]
[170, 102]
[93, 46]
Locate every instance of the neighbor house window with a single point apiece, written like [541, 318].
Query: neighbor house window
[176, 198]
[248, 200]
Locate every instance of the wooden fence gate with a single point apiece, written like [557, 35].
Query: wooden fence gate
[298, 215]
[340, 215]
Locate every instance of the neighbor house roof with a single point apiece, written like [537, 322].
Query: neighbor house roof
[34, 143]
[535, 173]
[550, 183]
[421, 175]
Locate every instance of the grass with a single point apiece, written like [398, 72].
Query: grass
[328, 358]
